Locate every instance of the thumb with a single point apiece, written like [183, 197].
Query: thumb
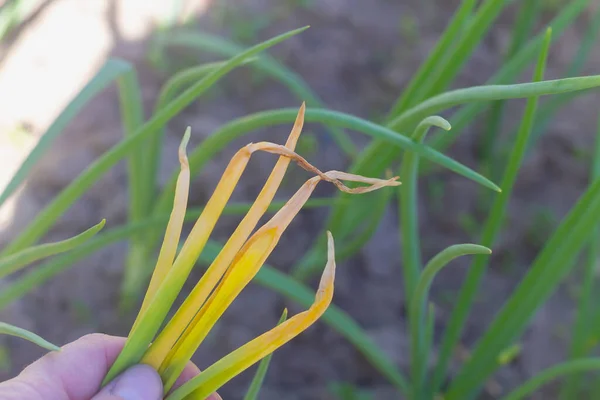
[140, 382]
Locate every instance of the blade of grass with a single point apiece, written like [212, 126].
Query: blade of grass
[110, 71]
[93, 173]
[490, 93]
[7, 329]
[408, 207]
[553, 263]
[418, 317]
[582, 329]
[269, 277]
[132, 113]
[16, 261]
[264, 63]
[491, 229]
[567, 368]
[261, 371]
[436, 55]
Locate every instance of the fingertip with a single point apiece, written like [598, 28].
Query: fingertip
[140, 382]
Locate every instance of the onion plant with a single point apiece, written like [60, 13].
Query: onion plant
[401, 137]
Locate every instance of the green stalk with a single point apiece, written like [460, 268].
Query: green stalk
[408, 207]
[490, 230]
[419, 335]
[488, 93]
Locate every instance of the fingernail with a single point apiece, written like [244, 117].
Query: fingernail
[140, 382]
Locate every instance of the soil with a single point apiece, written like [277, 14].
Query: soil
[357, 56]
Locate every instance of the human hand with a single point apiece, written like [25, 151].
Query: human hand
[76, 372]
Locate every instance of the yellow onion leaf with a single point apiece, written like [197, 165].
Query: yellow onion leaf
[168, 249]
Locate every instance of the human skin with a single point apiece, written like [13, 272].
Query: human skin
[76, 373]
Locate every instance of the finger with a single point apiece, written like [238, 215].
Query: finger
[74, 373]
